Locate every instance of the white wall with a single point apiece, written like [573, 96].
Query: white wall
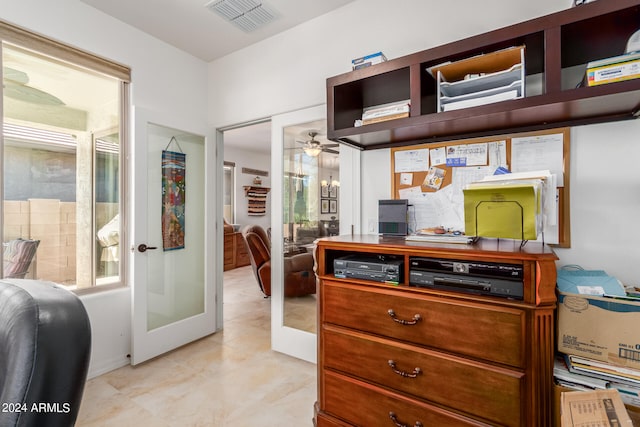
[164, 79]
[253, 160]
[288, 72]
[605, 200]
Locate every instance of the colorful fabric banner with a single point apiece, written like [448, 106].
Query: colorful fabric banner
[173, 200]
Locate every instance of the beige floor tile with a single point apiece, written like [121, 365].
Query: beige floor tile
[231, 378]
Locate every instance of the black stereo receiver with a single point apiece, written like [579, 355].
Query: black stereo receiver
[482, 278]
[377, 268]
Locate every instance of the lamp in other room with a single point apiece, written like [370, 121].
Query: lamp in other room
[331, 186]
[312, 150]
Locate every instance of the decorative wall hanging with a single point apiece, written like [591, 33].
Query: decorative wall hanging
[173, 197]
[256, 200]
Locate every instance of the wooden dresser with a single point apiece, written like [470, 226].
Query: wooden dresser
[398, 355]
[235, 251]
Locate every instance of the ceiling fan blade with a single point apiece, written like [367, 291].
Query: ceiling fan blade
[16, 76]
[29, 94]
[329, 150]
[331, 145]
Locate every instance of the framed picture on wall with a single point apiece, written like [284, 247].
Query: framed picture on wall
[324, 206]
[324, 191]
[333, 191]
[333, 206]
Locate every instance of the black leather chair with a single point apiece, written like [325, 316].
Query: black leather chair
[45, 346]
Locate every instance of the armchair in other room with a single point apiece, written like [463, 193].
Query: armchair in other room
[299, 277]
[45, 346]
[17, 256]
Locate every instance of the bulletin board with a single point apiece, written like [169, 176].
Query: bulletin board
[421, 166]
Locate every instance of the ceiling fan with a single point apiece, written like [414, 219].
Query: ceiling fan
[313, 147]
[15, 85]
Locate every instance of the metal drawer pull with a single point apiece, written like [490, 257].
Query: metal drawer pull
[414, 374]
[394, 418]
[416, 318]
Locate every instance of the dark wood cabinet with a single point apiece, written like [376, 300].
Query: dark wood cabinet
[468, 359]
[236, 253]
[557, 50]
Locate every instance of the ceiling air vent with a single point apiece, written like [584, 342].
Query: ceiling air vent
[248, 15]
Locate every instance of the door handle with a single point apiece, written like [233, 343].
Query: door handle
[143, 248]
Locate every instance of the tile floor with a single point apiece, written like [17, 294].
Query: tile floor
[230, 378]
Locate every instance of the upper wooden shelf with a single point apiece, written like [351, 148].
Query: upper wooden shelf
[557, 50]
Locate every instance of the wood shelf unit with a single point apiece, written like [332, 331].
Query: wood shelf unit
[459, 359]
[557, 48]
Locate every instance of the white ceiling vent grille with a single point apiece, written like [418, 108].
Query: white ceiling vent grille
[248, 15]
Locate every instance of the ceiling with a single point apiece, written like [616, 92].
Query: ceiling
[194, 28]
[257, 138]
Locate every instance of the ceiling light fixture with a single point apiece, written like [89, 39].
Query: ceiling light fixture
[313, 151]
[248, 15]
[331, 183]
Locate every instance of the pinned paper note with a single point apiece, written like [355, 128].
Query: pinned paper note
[411, 160]
[406, 178]
[434, 178]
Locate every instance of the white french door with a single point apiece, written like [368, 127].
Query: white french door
[285, 338]
[173, 243]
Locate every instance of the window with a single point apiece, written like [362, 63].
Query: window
[229, 192]
[62, 144]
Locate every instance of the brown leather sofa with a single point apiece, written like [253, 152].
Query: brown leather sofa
[299, 277]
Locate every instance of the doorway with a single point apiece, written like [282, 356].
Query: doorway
[246, 159]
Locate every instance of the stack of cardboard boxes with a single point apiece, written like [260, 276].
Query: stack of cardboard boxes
[598, 335]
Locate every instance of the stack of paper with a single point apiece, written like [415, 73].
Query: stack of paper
[581, 373]
[575, 381]
[390, 111]
[439, 238]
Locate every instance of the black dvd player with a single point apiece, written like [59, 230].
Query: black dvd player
[482, 278]
[376, 268]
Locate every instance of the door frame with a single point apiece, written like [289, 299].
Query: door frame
[148, 344]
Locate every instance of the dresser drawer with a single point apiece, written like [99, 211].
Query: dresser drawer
[362, 404]
[478, 330]
[242, 254]
[482, 390]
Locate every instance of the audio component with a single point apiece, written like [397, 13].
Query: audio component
[378, 269]
[482, 278]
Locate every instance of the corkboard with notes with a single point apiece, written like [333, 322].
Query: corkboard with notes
[420, 171]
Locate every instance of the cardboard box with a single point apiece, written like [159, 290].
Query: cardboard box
[632, 411]
[599, 328]
[593, 408]
[368, 60]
